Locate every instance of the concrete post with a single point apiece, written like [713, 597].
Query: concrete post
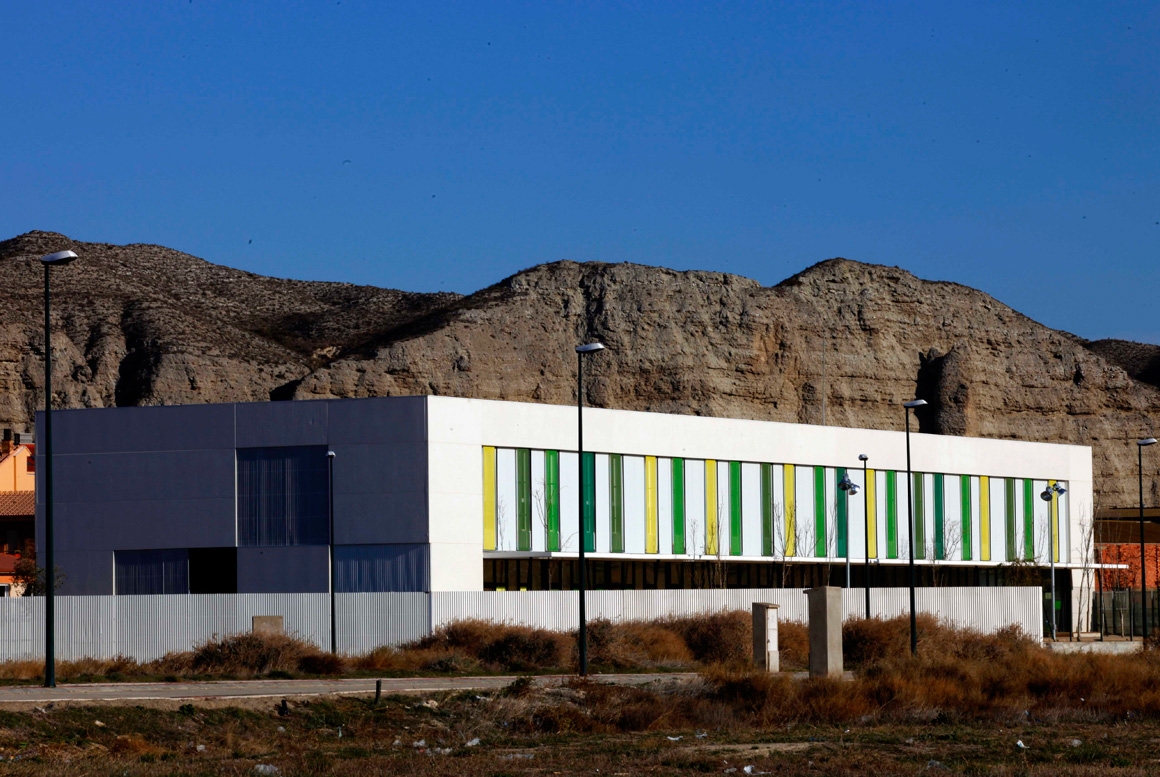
[825, 631]
[765, 655]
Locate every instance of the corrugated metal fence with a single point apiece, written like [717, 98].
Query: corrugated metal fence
[147, 627]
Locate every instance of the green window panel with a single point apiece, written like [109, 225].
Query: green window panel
[965, 502]
[588, 486]
[678, 506]
[1028, 519]
[919, 517]
[1009, 515]
[524, 499]
[820, 512]
[940, 507]
[767, 509]
[616, 503]
[891, 514]
[843, 513]
[552, 497]
[735, 508]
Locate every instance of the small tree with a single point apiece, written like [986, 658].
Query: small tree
[30, 579]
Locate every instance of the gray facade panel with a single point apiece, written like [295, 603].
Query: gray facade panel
[385, 468]
[110, 430]
[379, 519]
[87, 572]
[175, 523]
[171, 475]
[279, 424]
[393, 419]
[286, 570]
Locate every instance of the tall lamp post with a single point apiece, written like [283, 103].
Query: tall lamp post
[581, 350]
[330, 512]
[59, 259]
[1052, 492]
[850, 488]
[862, 457]
[907, 407]
[1140, 445]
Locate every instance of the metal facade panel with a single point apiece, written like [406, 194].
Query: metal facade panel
[145, 475]
[280, 424]
[376, 420]
[284, 570]
[173, 428]
[163, 523]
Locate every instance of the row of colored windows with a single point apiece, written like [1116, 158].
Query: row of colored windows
[687, 507]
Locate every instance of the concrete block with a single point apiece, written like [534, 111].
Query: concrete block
[268, 624]
[825, 631]
[765, 653]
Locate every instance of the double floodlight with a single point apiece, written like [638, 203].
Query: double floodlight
[863, 457]
[1053, 490]
[59, 258]
[847, 485]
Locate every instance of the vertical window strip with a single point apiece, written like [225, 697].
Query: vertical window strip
[1054, 522]
[679, 506]
[965, 517]
[940, 506]
[767, 509]
[1009, 516]
[820, 549]
[919, 515]
[651, 541]
[871, 486]
[789, 483]
[842, 516]
[710, 507]
[985, 517]
[588, 486]
[552, 497]
[735, 508]
[524, 498]
[1028, 519]
[616, 502]
[489, 497]
[891, 514]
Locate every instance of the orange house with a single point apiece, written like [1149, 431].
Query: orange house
[17, 464]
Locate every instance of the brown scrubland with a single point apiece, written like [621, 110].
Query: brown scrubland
[961, 706]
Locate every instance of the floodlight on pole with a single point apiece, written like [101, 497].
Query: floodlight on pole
[908, 406]
[581, 350]
[58, 259]
[849, 488]
[1140, 446]
[1050, 493]
[862, 457]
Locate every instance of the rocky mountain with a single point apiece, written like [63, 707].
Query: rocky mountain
[842, 343]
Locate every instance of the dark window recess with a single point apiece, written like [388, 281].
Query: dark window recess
[140, 572]
[283, 496]
[213, 570]
[30, 464]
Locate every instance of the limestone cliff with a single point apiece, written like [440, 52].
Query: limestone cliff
[850, 341]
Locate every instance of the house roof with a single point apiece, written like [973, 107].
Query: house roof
[17, 504]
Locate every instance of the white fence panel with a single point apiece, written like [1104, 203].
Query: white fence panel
[368, 620]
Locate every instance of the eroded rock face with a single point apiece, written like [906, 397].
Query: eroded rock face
[843, 340]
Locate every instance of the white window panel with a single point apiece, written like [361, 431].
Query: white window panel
[695, 507]
[634, 529]
[569, 502]
[506, 518]
[539, 505]
[665, 506]
[750, 509]
[603, 506]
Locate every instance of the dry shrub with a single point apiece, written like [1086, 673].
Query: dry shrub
[793, 645]
[716, 638]
[636, 645]
[496, 646]
[241, 655]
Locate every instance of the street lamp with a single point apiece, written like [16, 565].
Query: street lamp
[862, 457]
[59, 259]
[908, 406]
[581, 350]
[850, 488]
[330, 510]
[1051, 492]
[1140, 445]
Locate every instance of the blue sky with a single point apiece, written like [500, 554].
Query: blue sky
[425, 146]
